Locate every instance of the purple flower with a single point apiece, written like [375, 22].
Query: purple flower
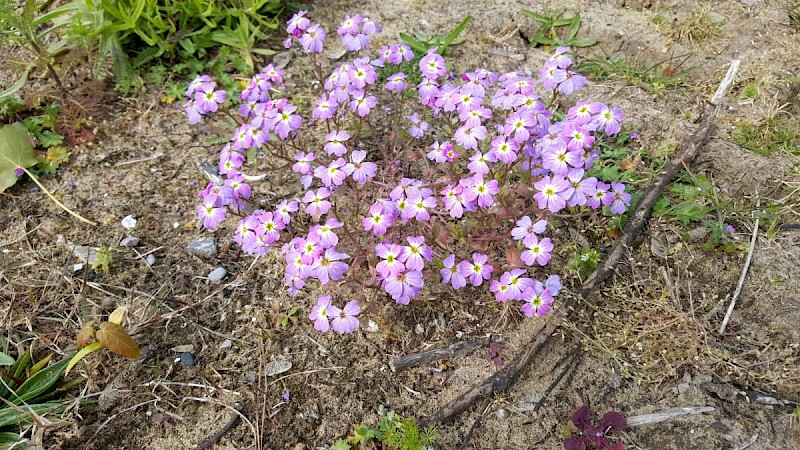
[479, 163]
[206, 99]
[329, 266]
[303, 164]
[285, 209]
[396, 82]
[211, 214]
[19, 171]
[194, 86]
[333, 175]
[286, 122]
[503, 150]
[378, 221]
[320, 312]
[285, 395]
[403, 286]
[391, 263]
[344, 320]
[416, 253]
[192, 112]
[538, 300]
[362, 105]
[325, 107]
[621, 198]
[477, 270]
[297, 23]
[418, 205]
[335, 144]
[600, 196]
[476, 189]
[550, 190]
[519, 125]
[573, 81]
[537, 252]
[526, 230]
[450, 273]
[317, 205]
[327, 238]
[313, 38]
[432, 65]
[358, 169]
[468, 137]
[418, 127]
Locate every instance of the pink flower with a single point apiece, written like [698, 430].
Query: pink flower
[476, 189]
[549, 195]
[211, 214]
[518, 124]
[417, 207]
[313, 38]
[538, 300]
[621, 198]
[362, 105]
[285, 209]
[329, 266]
[418, 127]
[319, 314]
[403, 286]
[609, 119]
[477, 270]
[468, 137]
[206, 99]
[537, 252]
[450, 273]
[333, 175]
[325, 107]
[297, 22]
[344, 320]
[432, 65]
[416, 253]
[358, 169]
[335, 144]
[317, 205]
[396, 82]
[503, 150]
[391, 263]
[327, 238]
[378, 221]
[479, 163]
[286, 122]
[526, 230]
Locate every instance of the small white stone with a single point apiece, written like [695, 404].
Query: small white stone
[372, 327]
[129, 222]
[217, 274]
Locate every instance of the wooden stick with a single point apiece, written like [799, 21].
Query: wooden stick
[749, 258]
[211, 440]
[576, 353]
[459, 349]
[506, 377]
[667, 414]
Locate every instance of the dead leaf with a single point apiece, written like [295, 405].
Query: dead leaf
[86, 334]
[115, 338]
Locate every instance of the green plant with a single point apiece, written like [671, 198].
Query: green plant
[22, 27]
[135, 32]
[394, 432]
[749, 92]
[768, 137]
[26, 391]
[103, 260]
[583, 261]
[549, 22]
[422, 43]
[653, 77]
[290, 317]
[700, 25]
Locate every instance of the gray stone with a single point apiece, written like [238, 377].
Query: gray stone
[226, 344]
[277, 366]
[203, 247]
[150, 260]
[129, 241]
[187, 359]
[217, 275]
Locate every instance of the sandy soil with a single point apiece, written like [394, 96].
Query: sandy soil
[335, 382]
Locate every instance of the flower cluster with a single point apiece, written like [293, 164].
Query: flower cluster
[327, 316]
[372, 203]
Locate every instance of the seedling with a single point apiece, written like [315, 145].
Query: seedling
[422, 42]
[393, 432]
[550, 22]
[654, 77]
[110, 335]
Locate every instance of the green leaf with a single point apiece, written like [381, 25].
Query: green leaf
[341, 444]
[6, 360]
[94, 346]
[583, 42]
[15, 151]
[535, 16]
[19, 84]
[413, 43]
[574, 26]
[11, 416]
[7, 436]
[38, 384]
[456, 31]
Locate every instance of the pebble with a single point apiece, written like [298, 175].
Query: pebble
[150, 260]
[502, 413]
[129, 241]
[187, 359]
[203, 247]
[129, 222]
[217, 275]
[226, 344]
[277, 366]
[372, 327]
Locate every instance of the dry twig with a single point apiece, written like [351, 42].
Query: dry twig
[749, 258]
[459, 349]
